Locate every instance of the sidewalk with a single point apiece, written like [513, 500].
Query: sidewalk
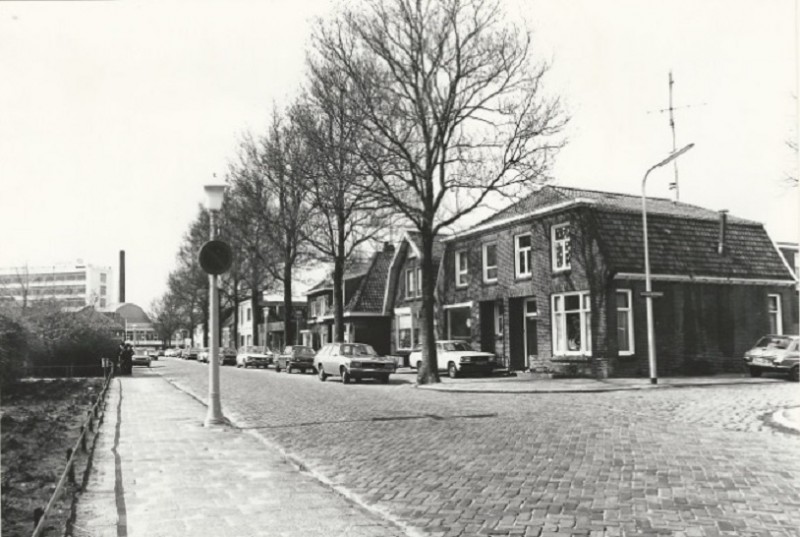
[157, 471]
[528, 384]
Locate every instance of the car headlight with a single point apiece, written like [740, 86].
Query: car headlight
[466, 359]
[355, 364]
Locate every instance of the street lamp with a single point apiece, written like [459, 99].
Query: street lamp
[648, 294]
[214, 194]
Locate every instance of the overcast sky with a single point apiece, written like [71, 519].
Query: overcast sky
[113, 115]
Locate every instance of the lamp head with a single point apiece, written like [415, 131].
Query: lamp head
[214, 195]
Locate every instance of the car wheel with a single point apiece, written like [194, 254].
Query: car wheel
[321, 373]
[419, 365]
[384, 379]
[794, 374]
[755, 372]
[277, 368]
[346, 377]
[288, 369]
[452, 372]
[244, 364]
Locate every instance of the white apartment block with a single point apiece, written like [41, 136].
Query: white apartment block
[72, 286]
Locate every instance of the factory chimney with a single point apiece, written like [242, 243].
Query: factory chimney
[121, 276]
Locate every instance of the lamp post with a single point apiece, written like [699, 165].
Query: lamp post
[648, 294]
[214, 194]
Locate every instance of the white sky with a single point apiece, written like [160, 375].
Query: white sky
[113, 115]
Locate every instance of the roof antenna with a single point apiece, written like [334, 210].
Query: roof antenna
[674, 185]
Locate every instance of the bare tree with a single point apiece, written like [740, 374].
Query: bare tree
[346, 216]
[165, 315]
[17, 284]
[453, 105]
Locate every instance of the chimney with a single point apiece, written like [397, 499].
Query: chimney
[723, 224]
[388, 247]
[121, 276]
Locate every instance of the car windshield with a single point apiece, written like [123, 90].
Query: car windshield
[255, 350]
[774, 342]
[358, 349]
[302, 350]
[455, 346]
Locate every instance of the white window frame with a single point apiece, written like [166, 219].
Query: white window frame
[410, 286]
[528, 256]
[418, 275]
[778, 312]
[498, 318]
[462, 271]
[486, 268]
[629, 310]
[559, 328]
[398, 313]
[559, 263]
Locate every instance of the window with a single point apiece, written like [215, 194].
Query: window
[419, 281]
[249, 314]
[572, 332]
[458, 323]
[624, 322]
[462, 269]
[560, 240]
[102, 302]
[522, 255]
[498, 319]
[490, 263]
[103, 277]
[775, 316]
[405, 332]
[411, 288]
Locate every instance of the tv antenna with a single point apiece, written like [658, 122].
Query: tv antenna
[671, 109]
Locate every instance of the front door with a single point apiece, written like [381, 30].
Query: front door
[531, 316]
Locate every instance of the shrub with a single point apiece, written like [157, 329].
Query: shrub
[13, 349]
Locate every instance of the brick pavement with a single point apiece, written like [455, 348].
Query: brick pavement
[158, 472]
[692, 461]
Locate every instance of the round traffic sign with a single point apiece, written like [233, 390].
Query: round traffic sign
[215, 257]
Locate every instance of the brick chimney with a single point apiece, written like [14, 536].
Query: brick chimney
[723, 225]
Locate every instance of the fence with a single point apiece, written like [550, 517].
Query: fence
[96, 412]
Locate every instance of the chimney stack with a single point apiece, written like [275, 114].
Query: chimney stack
[723, 224]
[121, 276]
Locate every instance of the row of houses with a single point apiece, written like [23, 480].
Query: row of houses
[554, 284]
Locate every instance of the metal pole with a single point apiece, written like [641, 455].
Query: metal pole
[651, 337]
[214, 415]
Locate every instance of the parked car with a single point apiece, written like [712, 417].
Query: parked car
[775, 354]
[161, 352]
[295, 357]
[153, 354]
[255, 356]
[202, 355]
[457, 357]
[190, 354]
[172, 353]
[141, 357]
[227, 356]
[352, 361]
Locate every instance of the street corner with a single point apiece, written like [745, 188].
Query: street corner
[788, 418]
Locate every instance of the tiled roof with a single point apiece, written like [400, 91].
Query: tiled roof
[369, 296]
[438, 245]
[687, 246]
[551, 195]
[354, 270]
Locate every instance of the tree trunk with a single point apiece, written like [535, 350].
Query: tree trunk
[429, 373]
[288, 306]
[206, 309]
[254, 305]
[235, 314]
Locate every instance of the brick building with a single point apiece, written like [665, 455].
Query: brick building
[553, 283]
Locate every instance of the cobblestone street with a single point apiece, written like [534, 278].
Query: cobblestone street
[690, 461]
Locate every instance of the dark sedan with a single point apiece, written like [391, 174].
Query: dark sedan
[295, 357]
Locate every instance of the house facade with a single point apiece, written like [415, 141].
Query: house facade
[554, 282]
[367, 318]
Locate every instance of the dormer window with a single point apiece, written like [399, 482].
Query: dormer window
[560, 240]
[411, 287]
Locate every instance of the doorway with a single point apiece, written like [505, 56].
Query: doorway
[531, 326]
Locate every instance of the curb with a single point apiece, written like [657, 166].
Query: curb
[643, 387]
[297, 463]
[779, 418]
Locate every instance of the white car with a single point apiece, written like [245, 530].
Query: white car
[457, 357]
[254, 356]
[352, 361]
